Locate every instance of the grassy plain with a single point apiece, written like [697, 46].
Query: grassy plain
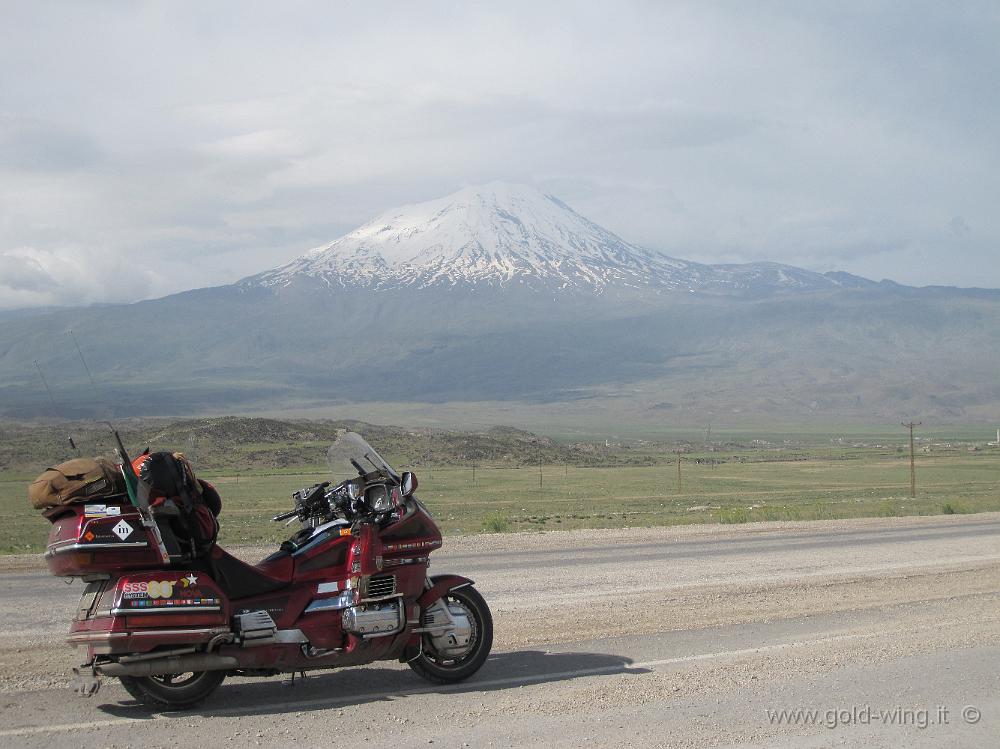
[728, 484]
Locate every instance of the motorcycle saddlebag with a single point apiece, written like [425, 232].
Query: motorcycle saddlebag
[76, 480]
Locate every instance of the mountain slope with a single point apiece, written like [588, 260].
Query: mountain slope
[507, 235]
[501, 295]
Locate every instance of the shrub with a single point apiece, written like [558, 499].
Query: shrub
[735, 515]
[890, 509]
[496, 522]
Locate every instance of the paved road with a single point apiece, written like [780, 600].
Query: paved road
[887, 630]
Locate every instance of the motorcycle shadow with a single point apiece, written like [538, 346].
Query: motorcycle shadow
[343, 688]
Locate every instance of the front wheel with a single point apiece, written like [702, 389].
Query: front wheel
[173, 690]
[442, 660]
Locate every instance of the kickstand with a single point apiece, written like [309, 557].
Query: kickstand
[302, 677]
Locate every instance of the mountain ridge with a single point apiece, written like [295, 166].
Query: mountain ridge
[636, 342]
[501, 234]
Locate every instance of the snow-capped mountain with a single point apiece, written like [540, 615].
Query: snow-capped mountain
[506, 235]
[422, 306]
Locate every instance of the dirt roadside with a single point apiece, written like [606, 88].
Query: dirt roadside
[730, 575]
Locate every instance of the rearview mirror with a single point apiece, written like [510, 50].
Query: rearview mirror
[408, 483]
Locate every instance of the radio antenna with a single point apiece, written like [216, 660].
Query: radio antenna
[45, 384]
[84, 362]
[111, 427]
[138, 491]
[52, 400]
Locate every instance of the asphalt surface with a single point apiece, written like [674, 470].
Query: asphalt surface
[867, 633]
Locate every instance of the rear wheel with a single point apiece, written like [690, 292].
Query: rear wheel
[442, 663]
[173, 690]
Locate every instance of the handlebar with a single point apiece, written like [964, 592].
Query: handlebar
[305, 502]
[346, 499]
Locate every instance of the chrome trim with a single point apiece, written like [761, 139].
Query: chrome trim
[310, 652]
[165, 610]
[380, 586]
[400, 562]
[88, 636]
[156, 633]
[290, 636]
[74, 546]
[380, 599]
[343, 601]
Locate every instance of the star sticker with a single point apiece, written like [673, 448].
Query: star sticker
[190, 580]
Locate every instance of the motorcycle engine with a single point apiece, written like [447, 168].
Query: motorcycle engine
[374, 619]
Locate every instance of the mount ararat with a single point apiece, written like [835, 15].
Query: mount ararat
[501, 294]
[502, 235]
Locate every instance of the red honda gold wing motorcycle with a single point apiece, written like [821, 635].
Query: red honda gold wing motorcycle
[349, 588]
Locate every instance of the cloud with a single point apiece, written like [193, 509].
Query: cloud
[196, 145]
[20, 272]
[959, 227]
[30, 277]
[28, 143]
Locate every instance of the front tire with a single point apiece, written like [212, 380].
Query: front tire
[441, 668]
[173, 691]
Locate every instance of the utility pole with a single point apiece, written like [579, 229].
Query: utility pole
[913, 469]
[539, 477]
[473, 472]
[680, 484]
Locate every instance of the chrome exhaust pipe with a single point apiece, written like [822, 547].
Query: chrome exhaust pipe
[177, 664]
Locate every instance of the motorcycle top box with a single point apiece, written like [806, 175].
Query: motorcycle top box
[88, 538]
[350, 587]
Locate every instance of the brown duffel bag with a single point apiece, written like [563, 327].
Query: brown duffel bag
[74, 481]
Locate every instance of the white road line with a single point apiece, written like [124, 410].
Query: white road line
[470, 687]
[59, 728]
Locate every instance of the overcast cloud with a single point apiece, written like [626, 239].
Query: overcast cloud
[175, 145]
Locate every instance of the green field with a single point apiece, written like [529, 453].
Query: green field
[732, 485]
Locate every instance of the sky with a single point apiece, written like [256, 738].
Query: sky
[147, 148]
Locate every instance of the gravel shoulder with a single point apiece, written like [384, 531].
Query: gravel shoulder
[724, 618]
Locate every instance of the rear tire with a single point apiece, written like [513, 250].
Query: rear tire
[443, 669]
[173, 691]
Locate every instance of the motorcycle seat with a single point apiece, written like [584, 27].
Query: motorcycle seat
[241, 580]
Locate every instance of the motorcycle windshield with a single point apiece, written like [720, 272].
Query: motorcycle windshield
[350, 455]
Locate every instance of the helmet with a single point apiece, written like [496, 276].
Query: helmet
[165, 473]
[138, 462]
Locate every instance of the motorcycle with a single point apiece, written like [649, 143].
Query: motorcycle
[349, 588]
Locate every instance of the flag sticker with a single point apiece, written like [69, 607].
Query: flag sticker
[123, 530]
